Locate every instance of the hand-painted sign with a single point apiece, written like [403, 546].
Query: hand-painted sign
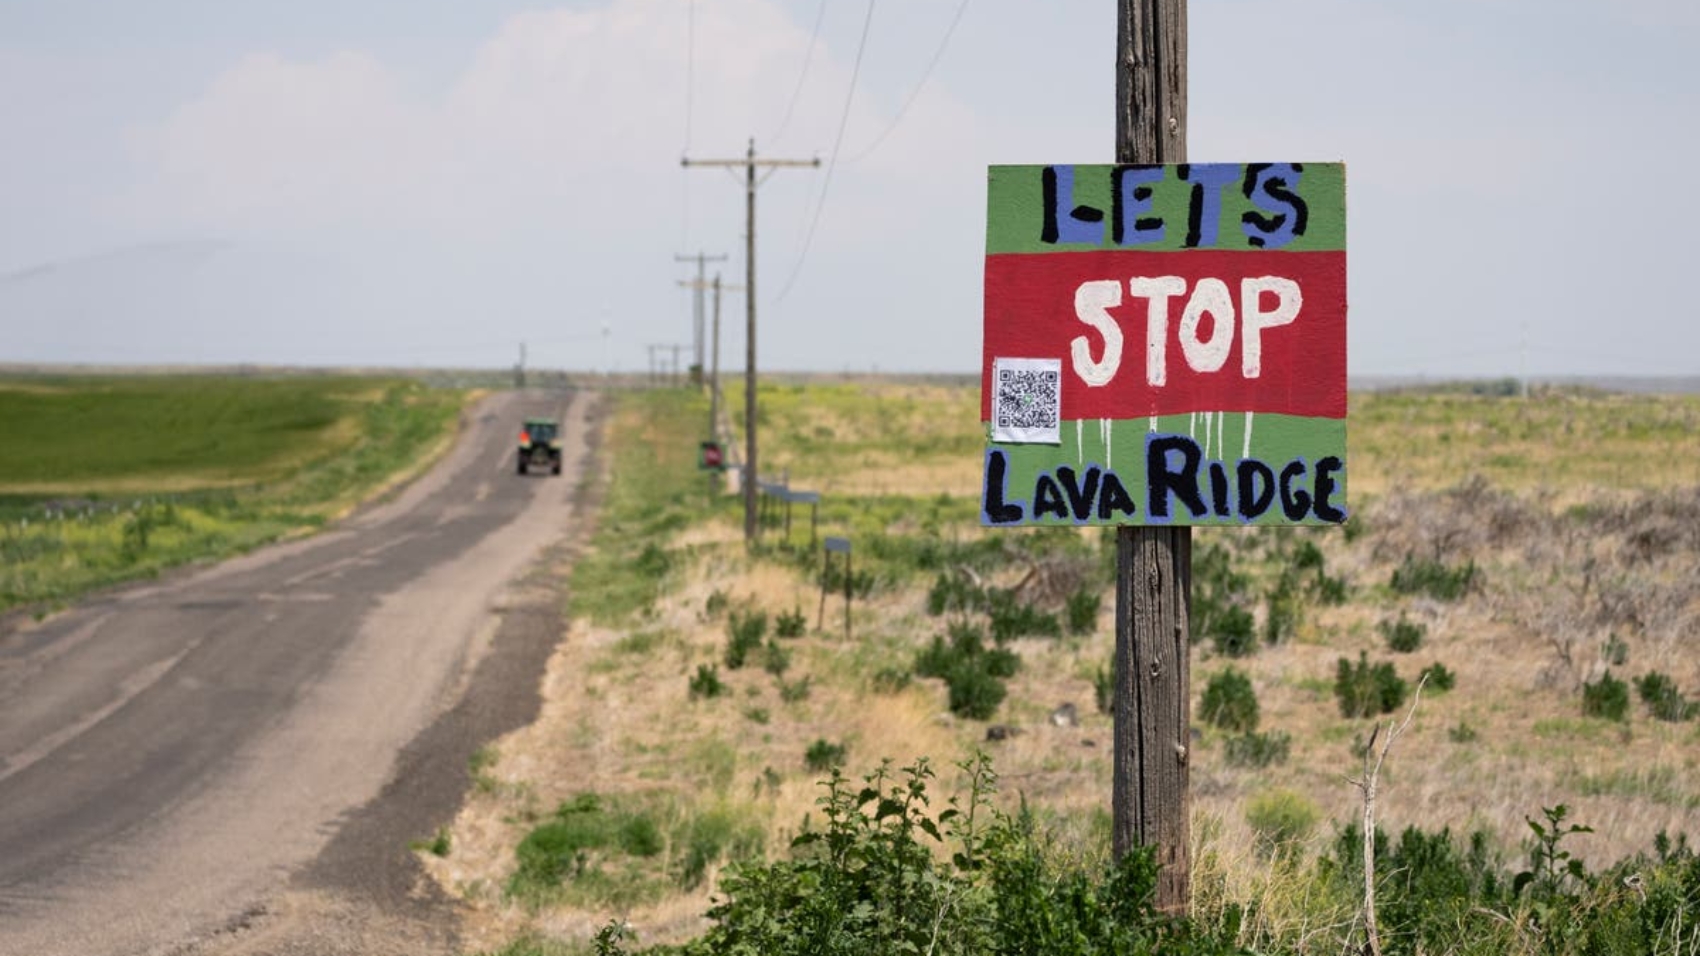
[1165, 344]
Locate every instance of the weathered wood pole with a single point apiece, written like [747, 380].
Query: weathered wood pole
[1150, 805]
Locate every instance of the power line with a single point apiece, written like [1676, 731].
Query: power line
[916, 92]
[837, 143]
[808, 58]
[690, 65]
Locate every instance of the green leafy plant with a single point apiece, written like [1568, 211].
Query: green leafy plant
[1403, 636]
[744, 633]
[1549, 863]
[1661, 695]
[1437, 677]
[1104, 688]
[1606, 698]
[1280, 818]
[790, 623]
[706, 683]
[1257, 750]
[1367, 690]
[1234, 632]
[823, 755]
[1082, 611]
[1434, 578]
[1282, 609]
[1230, 703]
[775, 659]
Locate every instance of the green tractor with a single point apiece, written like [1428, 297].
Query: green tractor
[540, 446]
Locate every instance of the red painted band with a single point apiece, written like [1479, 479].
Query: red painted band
[1030, 313]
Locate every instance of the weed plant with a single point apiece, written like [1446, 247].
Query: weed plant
[1230, 703]
[885, 874]
[1661, 695]
[1606, 698]
[1403, 636]
[1255, 751]
[1434, 578]
[1367, 690]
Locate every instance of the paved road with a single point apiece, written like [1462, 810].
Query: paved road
[197, 765]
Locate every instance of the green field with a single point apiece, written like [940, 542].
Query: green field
[107, 479]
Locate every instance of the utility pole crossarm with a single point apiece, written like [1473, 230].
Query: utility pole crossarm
[756, 162]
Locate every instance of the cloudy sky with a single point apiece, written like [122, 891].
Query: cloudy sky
[430, 182]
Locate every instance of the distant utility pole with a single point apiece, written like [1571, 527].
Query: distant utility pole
[702, 259]
[750, 163]
[519, 369]
[1150, 805]
[714, 371]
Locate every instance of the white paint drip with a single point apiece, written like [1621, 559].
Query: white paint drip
[1247, 452]
[1104, 433]
[1207, 433]
[1080, 440]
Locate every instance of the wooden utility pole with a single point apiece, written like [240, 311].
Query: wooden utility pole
[1150, 804]
[702, 259]
[714, 371]
[747, 482]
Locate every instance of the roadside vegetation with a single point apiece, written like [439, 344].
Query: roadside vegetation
[111, 479]
[939, 780]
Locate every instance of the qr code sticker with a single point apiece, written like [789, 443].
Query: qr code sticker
[1027, 400]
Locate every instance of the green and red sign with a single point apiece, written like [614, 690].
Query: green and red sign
[1165, 344]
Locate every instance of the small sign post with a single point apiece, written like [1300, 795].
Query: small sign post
[835, 546]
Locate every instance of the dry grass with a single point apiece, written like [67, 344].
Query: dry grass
[1570, 551]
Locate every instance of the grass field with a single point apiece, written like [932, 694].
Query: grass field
[1526, 547]
[109, 479]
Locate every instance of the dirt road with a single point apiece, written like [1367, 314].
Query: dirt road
[235, 761]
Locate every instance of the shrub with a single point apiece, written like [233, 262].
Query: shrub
[1217, 591]
[1281, 605]
[707, 683]
[1235, 632]
[1280, 818]
[1660, 693]
[1104, 688]
[790, 623]
[1438, 677]
[1607, 698]
[1230, 703]
[873, 879]
[1255, 750]
[792, 692]
[560, 849]
[1403, 636]
[972, 672]
[823, 755]
[716, 603]
[1011, 618]
[1434, 578]
[1615, 652]
[775, 658]
[1462, 733]
[1082, 611]
[1366, 690]
[744, 633]
[974, 693]
[954, 593]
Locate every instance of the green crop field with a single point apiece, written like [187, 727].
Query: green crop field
[106, 479]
